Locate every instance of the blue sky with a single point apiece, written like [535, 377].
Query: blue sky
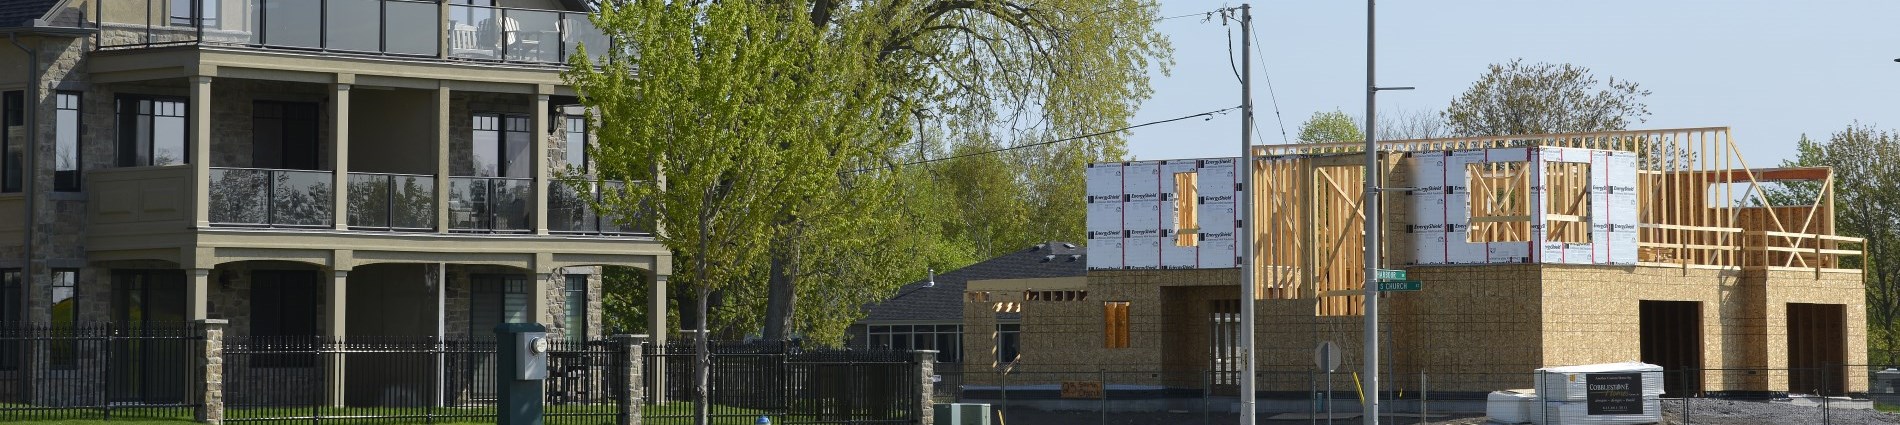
[1769, 70]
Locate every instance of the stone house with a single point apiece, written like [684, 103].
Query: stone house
[373, 169]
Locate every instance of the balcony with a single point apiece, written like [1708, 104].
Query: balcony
[391, 28]
[257, 197]
[491, 204]
[570, 212]
[396, 202]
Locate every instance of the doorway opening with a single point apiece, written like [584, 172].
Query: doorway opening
[1671, 337]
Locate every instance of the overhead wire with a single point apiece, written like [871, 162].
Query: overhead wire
[1209, 114]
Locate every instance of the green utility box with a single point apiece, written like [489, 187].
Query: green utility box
[962, 414]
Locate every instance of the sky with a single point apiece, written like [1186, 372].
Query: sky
[1771, 71]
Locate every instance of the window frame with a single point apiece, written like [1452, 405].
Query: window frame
[12, 114]
[568, 292]
[60, 141]
[1011, 338]
[129, 138]
[1115, 324]
[504, 124]
[574, 148]
[71, 324]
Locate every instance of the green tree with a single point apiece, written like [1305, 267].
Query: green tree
[1866, 164]
[1516, 98]
[1331, 127]
[741, 111]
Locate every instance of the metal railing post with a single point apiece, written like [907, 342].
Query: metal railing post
[323, 25]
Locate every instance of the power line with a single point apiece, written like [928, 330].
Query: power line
[1207, 14]
[1270, 92]
[1209, 114]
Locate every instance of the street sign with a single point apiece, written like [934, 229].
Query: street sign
[1326, 356]
[1400, 285]
[1391, 274]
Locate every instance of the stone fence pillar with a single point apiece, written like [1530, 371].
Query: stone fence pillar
[210, 366]
[926, 372]
[632, 394]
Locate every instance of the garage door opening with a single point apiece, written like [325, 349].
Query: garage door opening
[1672, 338]
[1816, 348]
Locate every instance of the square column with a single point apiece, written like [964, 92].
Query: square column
[340, 153]
[200, 151]
[540, 112]
[656, 326]
[442, 159]
[198, 295]
[333, 331]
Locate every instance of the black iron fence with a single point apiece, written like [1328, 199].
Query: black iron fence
[270, 379]
[78, 371]
[788, 384]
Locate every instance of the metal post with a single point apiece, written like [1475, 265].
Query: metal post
[1102, 375]
[1424, 398]
[1248, 380]
[1328, 401]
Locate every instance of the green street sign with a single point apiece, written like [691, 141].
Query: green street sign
[1391, 274]
[1400, 285]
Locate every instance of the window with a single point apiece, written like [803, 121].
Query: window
[1115, 324]
[152, 131]
[577, 142]
[946, 339]
[183, 13]
[500, 145]
[13, 139]
[575, 307]
[1008, 342]
[66, 135]
[497, 299]
[10, 312]
[1567, 201]
[1187, 219]
[65, 317]
[284, 303]
[1499, 204]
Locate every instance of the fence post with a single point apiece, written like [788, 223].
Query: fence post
[210, 366]
[630, 397]
[926, 368]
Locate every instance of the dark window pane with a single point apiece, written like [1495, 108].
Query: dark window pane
[12, 139]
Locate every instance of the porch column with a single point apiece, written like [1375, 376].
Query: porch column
[198, 295]
[541, 161]
[333, 332]
[538, 311]
[656, 326]
[200, 152]
[442, 158]
[340, 152]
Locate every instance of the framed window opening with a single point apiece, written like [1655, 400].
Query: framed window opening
[13, 139]
[65, 317]
[152, 131]
[574, 307]
[576, 140]
[66, 129]
[1008, 342]
[1115, 324]
[1498, 206]
[1567, 202]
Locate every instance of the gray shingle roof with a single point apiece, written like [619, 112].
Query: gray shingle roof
[19, 13]
[944, 302]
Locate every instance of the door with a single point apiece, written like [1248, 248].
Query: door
[497, 299]
[149, 351]
[1671, 337]
[1816, 348]
[284, 135]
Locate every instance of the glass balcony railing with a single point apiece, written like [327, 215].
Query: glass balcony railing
[416, 28]
[569, 210]
[270, 198]
[391, 201]
[491, 204]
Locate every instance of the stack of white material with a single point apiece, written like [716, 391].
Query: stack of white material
[1565, 392]
[1508, 406]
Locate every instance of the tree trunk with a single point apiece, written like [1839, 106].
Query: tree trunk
[702, 364]
[781, 293]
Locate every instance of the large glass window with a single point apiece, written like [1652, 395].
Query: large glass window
[575, 307]
[65, 316]
[10, 306]
[577, 142]
[501, 146]
[946, 339]
[66, 147]
[152, 131]
[497, 299]
[13, 139]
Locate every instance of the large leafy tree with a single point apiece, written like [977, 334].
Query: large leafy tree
[1331, 127]
[976, 76]
[1866, 163]
[744, 111]
[1518, 98]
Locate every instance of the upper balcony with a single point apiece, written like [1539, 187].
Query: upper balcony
[419, 30]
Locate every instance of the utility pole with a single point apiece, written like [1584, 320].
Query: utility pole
[1370, 202]
[1245, 168]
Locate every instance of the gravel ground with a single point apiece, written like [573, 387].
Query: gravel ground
[1702, 412]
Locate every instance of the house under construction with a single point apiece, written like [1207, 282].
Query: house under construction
[1660, 246]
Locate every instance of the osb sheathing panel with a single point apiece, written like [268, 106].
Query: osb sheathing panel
[1592, 315]
[1803, 287]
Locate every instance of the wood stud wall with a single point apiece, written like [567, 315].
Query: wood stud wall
[1699, 206]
